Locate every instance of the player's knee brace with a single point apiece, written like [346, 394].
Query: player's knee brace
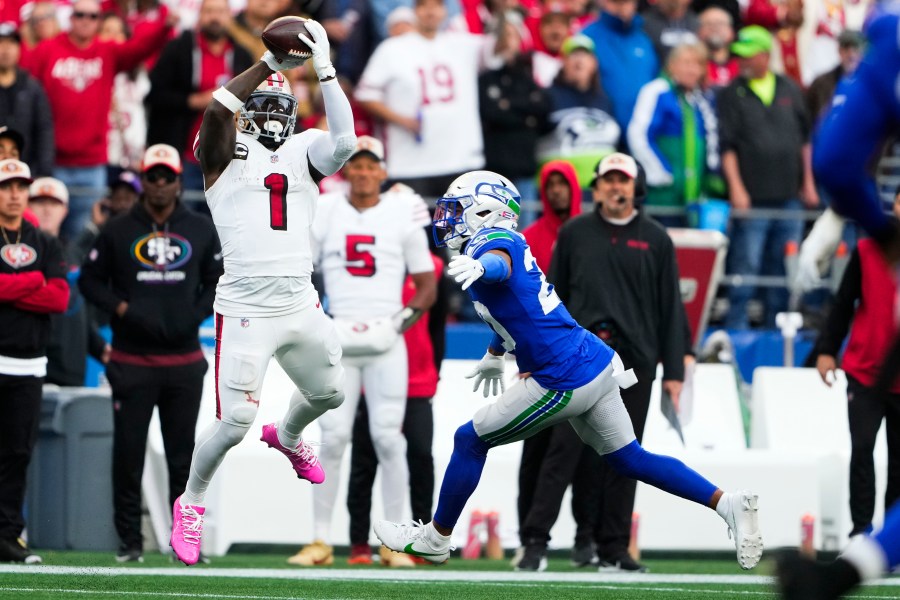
[467, 441]
[329, 399]
[239, 414]
[628, 461]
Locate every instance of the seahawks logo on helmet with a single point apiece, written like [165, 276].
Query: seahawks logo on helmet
[474, 201]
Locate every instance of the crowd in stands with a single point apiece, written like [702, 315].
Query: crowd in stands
[708, 95]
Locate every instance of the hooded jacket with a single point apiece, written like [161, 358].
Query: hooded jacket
[167, 273]
[541, 235]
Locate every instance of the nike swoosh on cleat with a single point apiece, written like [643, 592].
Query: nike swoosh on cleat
[409, 550]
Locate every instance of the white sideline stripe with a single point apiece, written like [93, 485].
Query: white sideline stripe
[423, 575]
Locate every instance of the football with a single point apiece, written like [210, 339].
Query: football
[280, 37]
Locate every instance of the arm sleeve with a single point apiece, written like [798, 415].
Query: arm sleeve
[52, 298]
[95, 275]
[15, 286]
[671, 318]
[837, 324]
[643, 131]
[727, 120]
[328, 153]
[416, 253]
[42, 136]
[147, 38]
[375, 77]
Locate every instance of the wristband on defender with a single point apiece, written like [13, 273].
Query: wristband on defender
[227, 99]
[495, 268]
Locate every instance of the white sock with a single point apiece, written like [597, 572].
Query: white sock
[434, 536]
[723, 506]
[864, 553]
[287, 440]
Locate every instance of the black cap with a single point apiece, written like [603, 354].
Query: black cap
[849, 38]
[9, 30]
[15, 136]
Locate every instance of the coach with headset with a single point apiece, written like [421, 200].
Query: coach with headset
[615, 270]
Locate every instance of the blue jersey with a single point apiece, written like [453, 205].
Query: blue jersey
[530, 319]
[865, 110]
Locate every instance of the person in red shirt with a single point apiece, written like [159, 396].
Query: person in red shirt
[561, 198]
[865, 305]
[717, 32]
[77, 71]
[183, 79]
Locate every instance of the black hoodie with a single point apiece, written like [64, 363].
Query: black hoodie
[167, 274]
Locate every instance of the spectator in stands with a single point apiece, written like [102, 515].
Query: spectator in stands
[24, 105]
[77, 71]
[821, 90]
[11, 143]
[32, 286]
[670, 23]
[513, 114]
[766, 159]
[864, 306]
[553, 459]
[674, 134]
[554, 26]
[401, 20]
[42, 24]
[183, 79]
[248, 25]
[424, 86]
[783, 19]
[717, 32]
[123, 194]
[582, 128]
[154, 271]
[732, 7]
[615, 269]
[73, 334]
[418, 429]
[625, 53]
[358, 292]
[127, 137]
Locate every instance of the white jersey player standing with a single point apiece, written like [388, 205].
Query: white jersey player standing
[365, 244]
[261, 187]
[424, 86]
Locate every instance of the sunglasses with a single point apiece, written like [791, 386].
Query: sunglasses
[157, 175]
[86, 15]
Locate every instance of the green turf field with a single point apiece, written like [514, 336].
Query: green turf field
[85, 576]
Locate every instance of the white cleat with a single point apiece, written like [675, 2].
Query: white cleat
[743, 524]
[413, 539]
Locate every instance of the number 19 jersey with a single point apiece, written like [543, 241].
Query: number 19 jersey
[529, 317]
[263, 205]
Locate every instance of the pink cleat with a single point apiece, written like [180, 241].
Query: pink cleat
[187, 529]
[303, 459]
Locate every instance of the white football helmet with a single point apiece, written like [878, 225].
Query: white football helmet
[475, 200]
[274, 102]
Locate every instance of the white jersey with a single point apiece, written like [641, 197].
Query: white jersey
[364, 256]
[263, 205]
[435, 81]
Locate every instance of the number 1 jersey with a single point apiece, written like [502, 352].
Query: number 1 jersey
[263, 205]
[531, 320]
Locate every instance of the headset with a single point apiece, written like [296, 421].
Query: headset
[640, 183]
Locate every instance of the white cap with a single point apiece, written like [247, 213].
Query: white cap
[12, 168]
[401, 14]
[49, 187]
[161, 154]
[366, 143]
[618, 162]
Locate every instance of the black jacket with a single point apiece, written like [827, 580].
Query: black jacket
[767, 139]
[623, 280]
[166, 273]
[172, 80]
[513, 110]
[31, 116]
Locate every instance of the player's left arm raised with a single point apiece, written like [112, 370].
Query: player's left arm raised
[328, 153]
[494, 266]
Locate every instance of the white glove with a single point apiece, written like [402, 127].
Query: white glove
[817, 249]
[281, 64]
[489, 370]
[465, 270]
[321, 49]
